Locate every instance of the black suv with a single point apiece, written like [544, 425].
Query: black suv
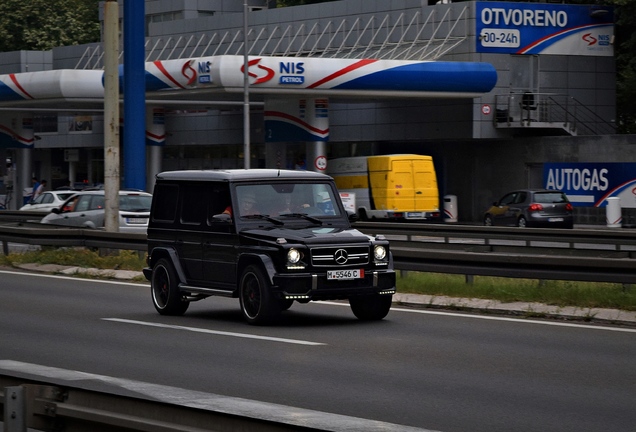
[268, 237]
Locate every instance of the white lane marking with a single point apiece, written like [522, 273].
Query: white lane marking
[493, 318]
[451, 314]
[215, 332]
[75, 278]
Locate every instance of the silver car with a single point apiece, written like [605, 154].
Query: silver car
[86, 210]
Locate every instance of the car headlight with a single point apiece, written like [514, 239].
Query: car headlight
[293, 256]
[379, 252]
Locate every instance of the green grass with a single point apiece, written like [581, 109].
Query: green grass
[558, 293]
[78, 257]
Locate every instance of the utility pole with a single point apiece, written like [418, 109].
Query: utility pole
[111, 116]
[246, 93]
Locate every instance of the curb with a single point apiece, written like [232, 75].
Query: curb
[519, 309]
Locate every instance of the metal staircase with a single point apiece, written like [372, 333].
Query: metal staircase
[546, 114]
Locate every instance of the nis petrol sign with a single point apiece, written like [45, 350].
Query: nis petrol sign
[544, 28]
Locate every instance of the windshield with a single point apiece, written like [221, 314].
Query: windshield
[287, 200]
[135, 203]
[550, 197]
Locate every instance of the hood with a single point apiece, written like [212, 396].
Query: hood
[308, 235]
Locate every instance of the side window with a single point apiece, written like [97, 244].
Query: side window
[97, 202]
[508, 199]
[83, 203]
[219, 200]
[193, 204]
[520, 198]
[165, 202]
[69, 206]
[220, 203]
[48, 198]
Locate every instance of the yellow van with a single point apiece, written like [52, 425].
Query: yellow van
[389, 187]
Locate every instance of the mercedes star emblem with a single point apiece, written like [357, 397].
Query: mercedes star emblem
[341, 256]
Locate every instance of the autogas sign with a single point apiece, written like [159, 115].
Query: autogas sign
[590, 184]
[542, 28]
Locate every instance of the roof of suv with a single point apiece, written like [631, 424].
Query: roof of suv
[241, 175]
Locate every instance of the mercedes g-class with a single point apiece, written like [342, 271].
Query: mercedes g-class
[269, 237]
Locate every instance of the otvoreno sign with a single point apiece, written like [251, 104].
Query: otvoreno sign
[590, 184]
[544, 28]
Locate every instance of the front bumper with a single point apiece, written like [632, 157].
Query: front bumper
[316, 286]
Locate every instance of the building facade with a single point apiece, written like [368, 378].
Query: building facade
[554, 98]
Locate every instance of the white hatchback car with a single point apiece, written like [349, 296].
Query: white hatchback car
[48, 200]
[86, 210]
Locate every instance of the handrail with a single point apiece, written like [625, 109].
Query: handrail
[595, 255]
[559, 110]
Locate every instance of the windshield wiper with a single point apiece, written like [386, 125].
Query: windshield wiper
[266, 217]
[303, 216]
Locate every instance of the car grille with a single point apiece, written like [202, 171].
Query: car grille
[339, 256]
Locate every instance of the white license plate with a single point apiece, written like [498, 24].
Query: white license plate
[345, 274]
[133, 221]
[413, 215]
[555, 219]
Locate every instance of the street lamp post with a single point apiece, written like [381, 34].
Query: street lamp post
[246, 93]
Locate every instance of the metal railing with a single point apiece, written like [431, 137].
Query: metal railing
[595, 255]
[392, 36]
[549, 110]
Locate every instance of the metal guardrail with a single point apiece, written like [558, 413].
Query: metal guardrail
[35, 234]
[595, 255]
[46, 405]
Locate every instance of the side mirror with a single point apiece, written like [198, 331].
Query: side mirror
[353, 217]
[222, 217]
[56, 210]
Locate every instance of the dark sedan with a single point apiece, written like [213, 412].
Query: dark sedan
[531, 208]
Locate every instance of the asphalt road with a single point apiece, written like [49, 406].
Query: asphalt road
[426, 369]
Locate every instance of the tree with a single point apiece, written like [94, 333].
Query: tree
[45, 24]
[625, 46]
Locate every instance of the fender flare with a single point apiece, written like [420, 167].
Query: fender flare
[171, 255]
[264, 260]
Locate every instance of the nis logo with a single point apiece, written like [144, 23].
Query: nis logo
[204, 72]
[292, 73]
[602, 40]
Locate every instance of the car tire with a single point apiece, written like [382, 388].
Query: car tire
[165, 290]
[371, 308]
[258, 305]
[522, 222]
[488, 220]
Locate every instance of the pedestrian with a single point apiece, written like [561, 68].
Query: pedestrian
[39, 189]
[36, 185]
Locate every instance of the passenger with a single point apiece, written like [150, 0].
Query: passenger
[283, 205]
[248, 203]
